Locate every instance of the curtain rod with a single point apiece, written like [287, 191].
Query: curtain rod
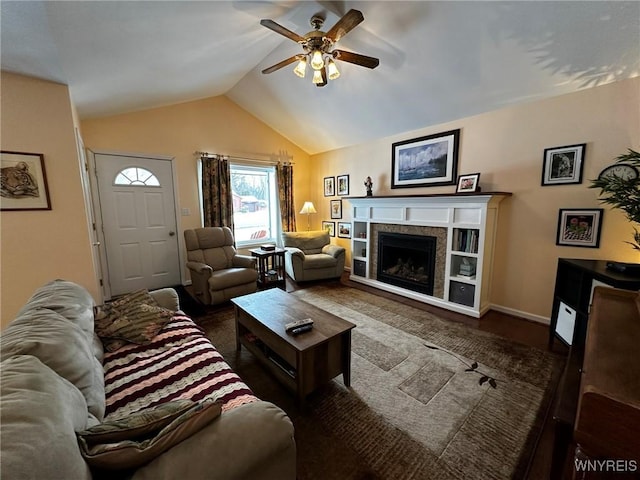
[233, 157]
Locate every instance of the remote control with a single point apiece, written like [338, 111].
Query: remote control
[302, 329]
[298, 323]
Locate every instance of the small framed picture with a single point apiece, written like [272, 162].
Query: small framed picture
[468, 183]
[330, 228]
[563, 165]
[343, 184]
[579, 227]
[329, 186]
[336, 209]
[24, 182]
[344, 230]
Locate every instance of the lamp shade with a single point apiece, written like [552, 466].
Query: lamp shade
[308, 208]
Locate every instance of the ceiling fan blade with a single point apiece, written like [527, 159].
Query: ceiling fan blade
[347, 23]
[276, 27]
[281, 64]
[356, 58]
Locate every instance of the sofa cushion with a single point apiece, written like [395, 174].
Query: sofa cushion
[70, 300]
[232, 277]
[63, 347]
[309, 242]
[131, 454]
[136, 425]
[40, 414]
[320, 260]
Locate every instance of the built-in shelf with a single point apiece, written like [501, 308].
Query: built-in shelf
[470, 223]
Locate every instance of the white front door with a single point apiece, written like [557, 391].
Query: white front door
[137, 202]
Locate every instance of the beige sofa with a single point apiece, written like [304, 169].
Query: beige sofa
[53, 386]
[218, 272]
[310, 256]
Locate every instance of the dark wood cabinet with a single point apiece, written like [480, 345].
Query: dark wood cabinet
[575, 280]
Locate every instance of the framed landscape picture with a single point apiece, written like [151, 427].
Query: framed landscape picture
[426, 161]
[330, 228]
[344, 230]
[563, 165]
[579, 227]
[329, 186]
[24, 182]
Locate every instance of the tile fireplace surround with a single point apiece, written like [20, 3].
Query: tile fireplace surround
[464, 225]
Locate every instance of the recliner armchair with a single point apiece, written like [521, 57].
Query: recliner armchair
[310, 256]
[218, 272]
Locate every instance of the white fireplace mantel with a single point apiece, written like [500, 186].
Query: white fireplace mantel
[469, 223]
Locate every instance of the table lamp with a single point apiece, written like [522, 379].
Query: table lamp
[308, 209]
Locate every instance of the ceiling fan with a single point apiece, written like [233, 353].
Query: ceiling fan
[318, 48]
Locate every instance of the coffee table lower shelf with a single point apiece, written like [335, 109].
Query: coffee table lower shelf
[285, 373]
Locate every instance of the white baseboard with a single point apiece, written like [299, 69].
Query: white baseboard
[518, 313]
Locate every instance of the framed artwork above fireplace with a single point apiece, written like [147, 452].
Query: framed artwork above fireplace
[425, 161]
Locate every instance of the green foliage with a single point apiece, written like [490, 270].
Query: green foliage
[623, 194]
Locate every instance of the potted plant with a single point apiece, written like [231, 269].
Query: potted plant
[619, 186]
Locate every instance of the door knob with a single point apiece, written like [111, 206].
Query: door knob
[172, 233]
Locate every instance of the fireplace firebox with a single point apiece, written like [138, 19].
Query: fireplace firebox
[407, 261]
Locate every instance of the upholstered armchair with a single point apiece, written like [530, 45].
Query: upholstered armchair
[310, 256]
[218, 272]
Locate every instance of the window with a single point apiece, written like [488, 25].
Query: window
[136, 176]
[255, 204]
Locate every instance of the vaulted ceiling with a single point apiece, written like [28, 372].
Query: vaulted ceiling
[439, 61]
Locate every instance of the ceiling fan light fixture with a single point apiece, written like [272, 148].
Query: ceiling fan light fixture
[301, 67]
[332, 70]
[317, 77]
[317, 62]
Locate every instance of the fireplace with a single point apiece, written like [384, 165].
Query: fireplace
[407, 261]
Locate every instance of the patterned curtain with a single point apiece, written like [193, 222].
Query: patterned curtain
[285, 197]
[217, 201]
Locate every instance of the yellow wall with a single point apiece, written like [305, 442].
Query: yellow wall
[506, 147]
[214, 125]
[39, 246]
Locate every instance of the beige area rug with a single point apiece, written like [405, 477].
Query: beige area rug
[429, 398]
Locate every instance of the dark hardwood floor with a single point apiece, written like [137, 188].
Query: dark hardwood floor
[514, 328]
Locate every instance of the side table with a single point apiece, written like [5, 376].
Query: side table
[270, 265]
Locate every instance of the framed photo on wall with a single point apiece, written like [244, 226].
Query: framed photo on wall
[563, 165]
[343, 184]
[330, 228]
[336, 209]
[344, 230]
[579, 227]
[426, 161]
[24, 182]
[329, 186]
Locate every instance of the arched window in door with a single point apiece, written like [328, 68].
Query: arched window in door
[136, 176]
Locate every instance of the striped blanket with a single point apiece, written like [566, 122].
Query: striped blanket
[180, 363]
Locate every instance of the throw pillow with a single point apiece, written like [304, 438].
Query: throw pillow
[136, 425]
[132, 454]
[132, 318]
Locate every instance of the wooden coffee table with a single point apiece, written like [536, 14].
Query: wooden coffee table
[303, 362]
